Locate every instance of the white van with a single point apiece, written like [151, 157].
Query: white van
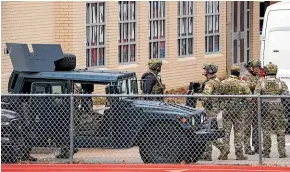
[275, 39]
[275, 43]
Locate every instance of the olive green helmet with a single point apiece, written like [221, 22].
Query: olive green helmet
[271, 69]
[154, 63]
[210, 68]
[253, 63]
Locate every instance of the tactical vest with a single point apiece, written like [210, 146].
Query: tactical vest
[268, 87]
[158, 87]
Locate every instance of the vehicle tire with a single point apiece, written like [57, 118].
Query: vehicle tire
[162, 142]
[67, 63]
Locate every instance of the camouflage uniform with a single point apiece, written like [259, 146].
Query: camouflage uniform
[251, 119]
[151, 80]
[211, 87]
[233, 114]
[272, 110]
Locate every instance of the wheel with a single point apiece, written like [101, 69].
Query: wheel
[66, 64]
[162, 142]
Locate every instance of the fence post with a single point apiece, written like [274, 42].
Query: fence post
[260, 130]
[71, 128]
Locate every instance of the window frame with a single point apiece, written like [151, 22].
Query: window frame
[158, 20]
[207, 35]
[121, 22]
[97, 25]
[180, 37]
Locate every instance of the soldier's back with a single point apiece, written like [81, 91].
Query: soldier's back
[214, 84]
[271, 86]
[232, 86]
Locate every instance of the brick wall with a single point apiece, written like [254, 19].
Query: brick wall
[64, 23]
[174, 68]
[69, 29]
[255, 30]
[24, 22]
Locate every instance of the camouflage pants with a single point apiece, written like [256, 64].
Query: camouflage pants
[273, 114]
[233, 118]
[251, 127]
[216, 143]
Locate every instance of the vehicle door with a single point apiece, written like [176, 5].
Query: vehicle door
[49, 112]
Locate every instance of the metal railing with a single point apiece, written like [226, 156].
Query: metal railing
[100, 128]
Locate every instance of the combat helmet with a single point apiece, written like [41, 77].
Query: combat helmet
[235, 68]
[210, 68]
[253, 63]
[271, 69]
[154, 64]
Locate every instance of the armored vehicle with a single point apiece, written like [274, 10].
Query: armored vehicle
[164, 132]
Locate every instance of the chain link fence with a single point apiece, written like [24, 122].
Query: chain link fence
[81, 128]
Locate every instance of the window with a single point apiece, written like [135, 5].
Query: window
[95, 28]
[157, 29]
[56, 89]
[185, 28]
[127, 31]
[212, 26]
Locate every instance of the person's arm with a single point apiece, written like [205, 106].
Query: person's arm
[148, 84]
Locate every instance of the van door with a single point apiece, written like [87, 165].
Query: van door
[278, 52]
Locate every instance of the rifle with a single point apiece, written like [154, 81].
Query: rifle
[194, 87]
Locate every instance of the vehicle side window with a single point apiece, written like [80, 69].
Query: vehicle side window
[40, 89]
[56, 89]
[123, 86]
[47, 88]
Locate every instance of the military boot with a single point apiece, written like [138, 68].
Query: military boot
[283, 155]
[266, 155]
[249, 151]
[224, 155]
[240, 155]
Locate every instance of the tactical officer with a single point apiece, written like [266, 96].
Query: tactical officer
[273, 111]
[151, 80]
[211, 86]
[251, 76]
[232, 114]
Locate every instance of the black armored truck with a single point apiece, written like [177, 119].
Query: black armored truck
[51, 102]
